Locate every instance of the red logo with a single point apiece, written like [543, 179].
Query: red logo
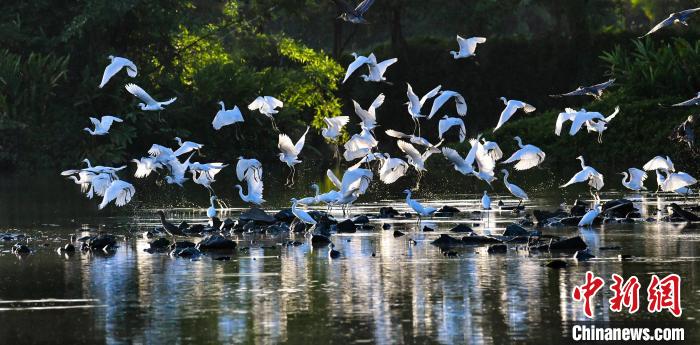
[625, 294]
[587, 291]
[665, 294]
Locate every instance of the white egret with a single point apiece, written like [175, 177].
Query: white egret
[674, 18]
[211, 211]
[369, 116]
[177, 169]
[448, 122]
[467, 47]
[422, 211]
[492, 149]
[528, 156]
[186, 147]
[267, 105]
[415, 158]
[334, 125]
[412, 138]
[392, 169]
[301, 214]
[659, 163]
[145, 166]
[577, 118]
[485, 202]
[311, 200]
[225, 117]
[590, 216]
[118, 191]
[370, 157]
[204, 174]
[149, 104]
[512, 106]
[415, 105]
[103, 125]
[601, 125]
[514, 189]
[255, 189]
[636, 179]
[246, 167]
[116, 64]
[445, 96]
[675, 181]
[290, 152]
[477, 154]
[377, 69]
[360, 144]
[587, 174]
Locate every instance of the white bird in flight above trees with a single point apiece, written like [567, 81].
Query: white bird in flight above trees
[577, 118]
[290, 152]
[334, 125]
[145, 166]
[446, 123]
[267, 105]
[369, 116]
[118, 191]
[392, 169]
[444, 96]
[587, 174]
[467, 47]
[634, 180]
[225, 117]
[376, 69]
[512, 106]
[149, 104]
[528, 156]
[412, 138]
[659, 163]
[674, 18]
[103, 125]
[600, 126]
[186, 147]
[691, 102]
[116, 65]
[415, 104]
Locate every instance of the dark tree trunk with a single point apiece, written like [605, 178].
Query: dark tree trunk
[337, 38]
[398, 42]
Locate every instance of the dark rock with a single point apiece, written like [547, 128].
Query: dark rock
[257, 215]
[320, 241]
[183, 226]
[215, 223]
[100, 242]
[557, 264]
[285, 216]
[542, 217]
[633, 215]
[386, 226]
[526, 222]
[227, 224]
[497, 248]
[361, 219]
[624, 257]
[446, 211]
[462, 228]
[518, 239]
[610, 248]
[216, 242]
[450, 253]
[408, 215]
[222, 258]
[515, 230]
[398, 233]
[474, 239]
[333, 254]
[618, 208]
[68, 248]
[159, 244]
[297, 226]
[20, 248]
[195, 229]
[346, 226]
[186, 252]
[447, 241]
[388, 212]
[366, 227]
[579, 209]
[680, 212]
[427, 229]
[84, 238]
[249, 227]
[277, 228]
[571, 221]
[572, 243]
[374, 254]
[182, 244]
[293, 243]
[583, 255]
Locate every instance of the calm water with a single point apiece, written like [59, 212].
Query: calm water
[407, 293]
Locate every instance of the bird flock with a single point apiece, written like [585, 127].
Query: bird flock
[361, 149]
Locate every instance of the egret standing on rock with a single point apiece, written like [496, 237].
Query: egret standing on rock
[511, 108]
[267, 105]
[301, 214]
[590, 216]
[421, 210]
[103, 125]
[290, 152]
[636, 179]
[467, 47]
[116, 65]
[211, 211]
[149, 104]
[485, 202]
[514, 189]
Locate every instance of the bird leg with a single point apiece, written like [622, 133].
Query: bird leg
[292, 180]
[274, 125]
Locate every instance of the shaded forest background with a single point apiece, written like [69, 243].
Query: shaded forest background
[53, 53]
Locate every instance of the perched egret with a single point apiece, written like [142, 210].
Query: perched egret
[514, 189]
[528, 156]
[149, 104]
[467, 47]
[445, 96]
[485, 202]
[211, 211]
[301, 214]
[590, 216]
[636, 179]
[102, 126]
[415, 105]
[600, 126]
[674, 18]
[116, 64]
[587, 174]
[369, 116]
[225, 117]
[448, 122]
[353, 15]
[421, 210]
[118, 191]
[512, 106]
[594, 90]
[290, 152]
[267, 105]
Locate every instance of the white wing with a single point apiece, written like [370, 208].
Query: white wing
[244, 165]
[440, 101]
[409, 150]
[227, 117]
[141, 94]
[113, 68]
[453, 156]
[273, 102]
[285, 145]
[334, 179]
[300, 143]
[119, 191]
[359, 61]
[258, 103]
[506, 114]
[368, 119]
[336, 123]
[432, 93]
[563, 117]
[396, 134]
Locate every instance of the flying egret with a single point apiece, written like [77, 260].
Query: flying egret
[467, 47]
[392, 169]
[594, 90]
[186, 147]
[145, 166]
[311, 200]
[411, 138]
[448, 122]
[597, 125]
[417, 207]
[246, 167]
[225, 117]
[659, 163]
[301, 214]
[116, 64]
[415, 158]
[267, 105]
[377, 69]
[674, 18]
[354, 65]
[204, 174]
[415, 105]
[528, 156]
[148, 103]
[636, 179]
[370, 157]
[255, 189]
[587, 174]
[492, 149]
[590, 216]
[353, 15]
[290, 152]
[118, 191]
[360, 145]
[676, 181]
[446, 95]
[102, 126]
[177, 169]
[211, 211]
[577, 118]
[334, 125]
[91, 183]
[369, 116]
[514, 189]
[485, 202]
[512, 106]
